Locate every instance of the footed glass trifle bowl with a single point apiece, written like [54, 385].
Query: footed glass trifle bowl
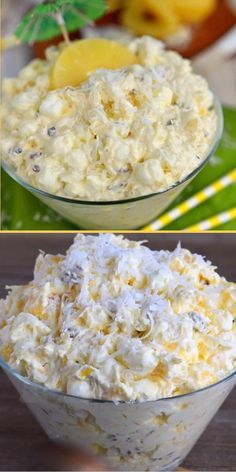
[133, 213]
[108, 134]
[149, 435]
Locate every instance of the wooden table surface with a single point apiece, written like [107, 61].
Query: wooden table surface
[21, 438]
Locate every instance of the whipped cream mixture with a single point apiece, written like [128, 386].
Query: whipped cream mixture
[115, 320]
[123, 133]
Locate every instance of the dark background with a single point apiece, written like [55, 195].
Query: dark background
[21, 438]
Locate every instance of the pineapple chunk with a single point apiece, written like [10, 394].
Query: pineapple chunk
[79, 59]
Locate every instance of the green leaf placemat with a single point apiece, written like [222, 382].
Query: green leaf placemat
[22, 211]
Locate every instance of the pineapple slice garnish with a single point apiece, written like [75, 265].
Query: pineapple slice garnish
[78, 60]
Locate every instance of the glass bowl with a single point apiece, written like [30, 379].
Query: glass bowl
[127, 214]
[149, 435]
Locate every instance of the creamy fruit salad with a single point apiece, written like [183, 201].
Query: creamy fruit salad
[115, 320]
[99, 120]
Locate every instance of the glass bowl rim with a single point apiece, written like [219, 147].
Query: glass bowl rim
[7, 369]
[42, 193]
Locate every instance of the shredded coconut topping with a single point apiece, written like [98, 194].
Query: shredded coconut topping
[113, 319]
[122, 133]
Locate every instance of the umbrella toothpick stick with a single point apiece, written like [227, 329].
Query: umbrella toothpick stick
[51, 18]
[60, 20]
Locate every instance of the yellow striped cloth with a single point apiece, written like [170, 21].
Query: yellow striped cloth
[193, 202]
[214, 221]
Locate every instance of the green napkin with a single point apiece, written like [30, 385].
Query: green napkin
[22, 211]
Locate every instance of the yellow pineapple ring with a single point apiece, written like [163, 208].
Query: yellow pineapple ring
[152, 17]
[194, 10]
[80, 58]
[114, 5]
